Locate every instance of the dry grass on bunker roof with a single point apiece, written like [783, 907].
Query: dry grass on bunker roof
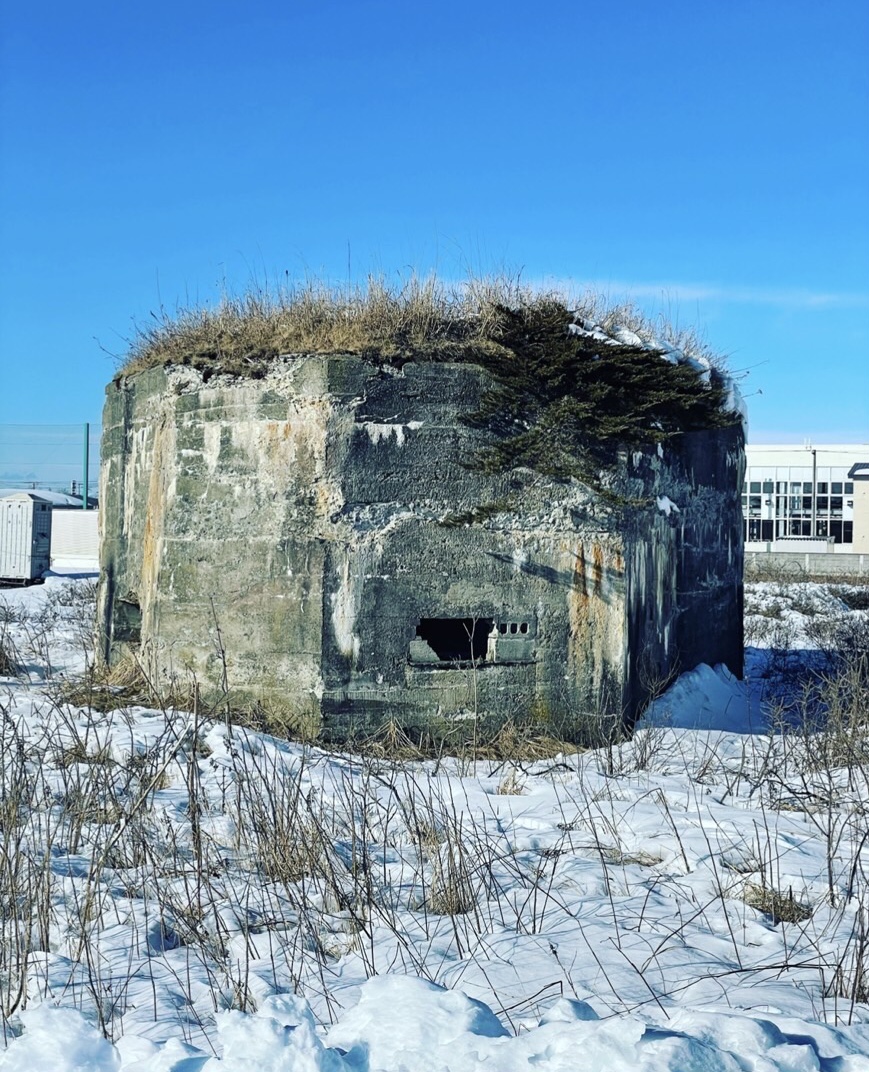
[415, 319]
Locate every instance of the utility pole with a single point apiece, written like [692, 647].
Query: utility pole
[85, 463]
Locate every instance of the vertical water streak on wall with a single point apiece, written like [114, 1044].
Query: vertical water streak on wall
[596, 638]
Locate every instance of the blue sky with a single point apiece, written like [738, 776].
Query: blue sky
[710, 159]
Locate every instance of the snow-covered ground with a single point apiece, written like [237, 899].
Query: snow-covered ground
[179, 897]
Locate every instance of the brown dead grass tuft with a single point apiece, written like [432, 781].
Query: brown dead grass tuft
[418, 318]
[780, 907]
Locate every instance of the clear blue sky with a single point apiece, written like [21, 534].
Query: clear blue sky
[710, 158]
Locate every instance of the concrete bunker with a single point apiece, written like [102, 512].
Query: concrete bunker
[325, 518]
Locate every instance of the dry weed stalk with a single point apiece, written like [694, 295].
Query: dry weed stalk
[264, 864]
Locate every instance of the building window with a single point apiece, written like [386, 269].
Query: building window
[782, 502]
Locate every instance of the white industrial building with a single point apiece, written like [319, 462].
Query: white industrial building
[813, 497]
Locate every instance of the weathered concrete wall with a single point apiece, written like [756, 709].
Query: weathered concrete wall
[684, 566]
[216, 515]
[324, 516]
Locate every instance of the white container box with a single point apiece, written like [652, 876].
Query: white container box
[75, 540]
[25, 536]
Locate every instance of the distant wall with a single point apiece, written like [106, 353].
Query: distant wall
[807, 564]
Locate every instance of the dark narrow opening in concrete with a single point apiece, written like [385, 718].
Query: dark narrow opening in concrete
[456, 639]
[127, 621]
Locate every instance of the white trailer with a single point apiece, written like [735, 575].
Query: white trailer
[25, 536]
